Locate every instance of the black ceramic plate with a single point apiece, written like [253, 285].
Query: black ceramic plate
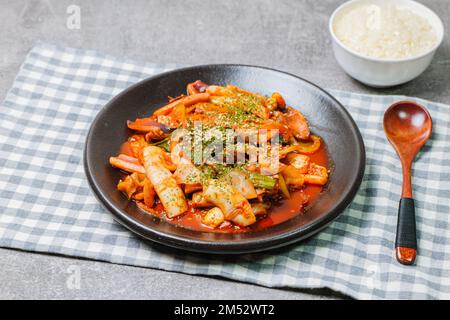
[327, 117]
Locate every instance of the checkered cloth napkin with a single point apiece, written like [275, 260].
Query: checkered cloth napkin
[46, 204]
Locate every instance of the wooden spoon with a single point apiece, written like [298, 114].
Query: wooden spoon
[407, 126]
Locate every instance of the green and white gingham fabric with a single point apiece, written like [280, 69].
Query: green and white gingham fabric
[46, 204]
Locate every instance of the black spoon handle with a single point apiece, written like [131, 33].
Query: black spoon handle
[406, 240]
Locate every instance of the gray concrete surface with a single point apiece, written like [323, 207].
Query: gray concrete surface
[27, 275]
[288, 35]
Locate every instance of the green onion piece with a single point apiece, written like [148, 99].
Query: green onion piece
[283, 187]
[164, 143]
[262, 181]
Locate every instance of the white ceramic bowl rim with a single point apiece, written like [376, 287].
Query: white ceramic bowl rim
[351, 2]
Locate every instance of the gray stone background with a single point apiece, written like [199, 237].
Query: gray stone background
[287, 35]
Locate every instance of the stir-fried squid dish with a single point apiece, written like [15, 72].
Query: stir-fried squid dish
[221, 158]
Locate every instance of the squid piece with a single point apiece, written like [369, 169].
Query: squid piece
[233, 204]
[176, 153]
[134, 187]
[187, 173]
[316, 175]
[199, 201]
[276, 101]
[149, 193]
[219, 91]
[209, 107]
[271, 104]
[299, 161]
[196, 87]
[125, 165]
[192, 187]
[275, 127]
[200, 86]
[155, 134]
[187, 101]
[128, 158]
[165, 158]
[281, 104]
[214, 217]
[167, 189]
[260, 97]
[191, 89]
[248, 101]
[137, 143]
[297, 123]
[154, 129]
[271, 169]
[139, 179]
[293, 177]
[127, 186]
[242, 183]
[167, 121]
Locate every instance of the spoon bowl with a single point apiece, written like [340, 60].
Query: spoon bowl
[407, 122]
[407, 126]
